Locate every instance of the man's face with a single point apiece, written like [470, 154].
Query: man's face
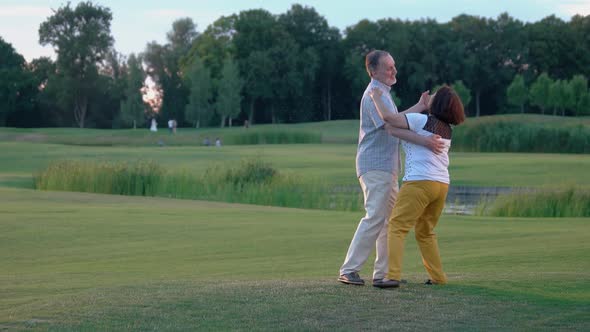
[386, 71]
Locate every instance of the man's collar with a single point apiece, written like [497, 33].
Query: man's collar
[380, 84]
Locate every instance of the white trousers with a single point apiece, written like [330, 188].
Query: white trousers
[380, 191]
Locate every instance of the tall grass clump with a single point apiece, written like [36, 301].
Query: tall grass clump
[253, 181]
[250, 181]
[568, 202]
[510, 136]
[141, 178]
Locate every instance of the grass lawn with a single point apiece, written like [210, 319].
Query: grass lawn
[74, 261]
[332, 163]
[77, 261]
[338, 131]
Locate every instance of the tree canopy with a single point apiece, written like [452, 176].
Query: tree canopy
[289, 67]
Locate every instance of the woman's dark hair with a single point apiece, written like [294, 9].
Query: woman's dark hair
[447, 106]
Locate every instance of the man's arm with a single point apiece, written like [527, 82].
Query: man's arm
[397, 125]
[394, 119]
[432, 142]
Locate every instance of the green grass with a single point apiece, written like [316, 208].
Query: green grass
[498, 133]
[75, 261]
[265, 134]
[99, 262]
[333, 163]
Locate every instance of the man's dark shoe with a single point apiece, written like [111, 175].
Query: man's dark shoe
[386, 283]
[403, 281]
[351, 278]
[431, 282]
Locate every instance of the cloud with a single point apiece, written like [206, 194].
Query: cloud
[24, 11]
[572, 8]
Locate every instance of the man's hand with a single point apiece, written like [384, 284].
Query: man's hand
[389, 128]
[435, 144]
[425, 99]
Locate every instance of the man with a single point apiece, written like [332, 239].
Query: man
[377, 167]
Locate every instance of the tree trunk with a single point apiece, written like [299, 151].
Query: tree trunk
[230, 121]
[80, 108]
[329, 100]
[222, 121]
[134, 125]
[522, 108]
[477, 112]
[251, 115]
[554, 111]
[272, 114]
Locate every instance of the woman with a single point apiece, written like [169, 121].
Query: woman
[425, 184]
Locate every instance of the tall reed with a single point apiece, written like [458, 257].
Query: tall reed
[565, 202]
[251, 181]
[510, 136]
[141, 178]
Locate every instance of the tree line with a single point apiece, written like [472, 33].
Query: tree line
[286, 68]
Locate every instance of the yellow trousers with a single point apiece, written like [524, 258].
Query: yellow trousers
[419, 205]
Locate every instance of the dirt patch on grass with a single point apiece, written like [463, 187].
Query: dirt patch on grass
[35, 137]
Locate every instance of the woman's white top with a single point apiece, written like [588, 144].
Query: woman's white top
[421, 163]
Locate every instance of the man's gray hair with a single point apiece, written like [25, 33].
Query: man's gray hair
[372, 60]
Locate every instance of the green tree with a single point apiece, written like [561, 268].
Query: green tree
[583, 106]
[517, 92]
[229, 96]
[580, 30]
[557, 97]
[198, 80]
[213, 46]
[539, 92]
[256, 32]
[164, 67]
[81, 38]
[133, 108]
[463, 92]
[315, 37]
[550, 44]
[579, 87]
[14, 80]
[568, 98]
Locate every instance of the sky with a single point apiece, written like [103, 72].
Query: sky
[137, 22]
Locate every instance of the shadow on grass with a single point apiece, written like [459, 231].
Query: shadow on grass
[302, 305]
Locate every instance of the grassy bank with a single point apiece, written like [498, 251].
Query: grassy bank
[500, 133]
[76, 261]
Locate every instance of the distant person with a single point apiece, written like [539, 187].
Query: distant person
[206, 141]
[425, 184]
[218, 142]
[154, 126]
[246, 124]
[174, 125]
[377, 168]
[171, 126]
